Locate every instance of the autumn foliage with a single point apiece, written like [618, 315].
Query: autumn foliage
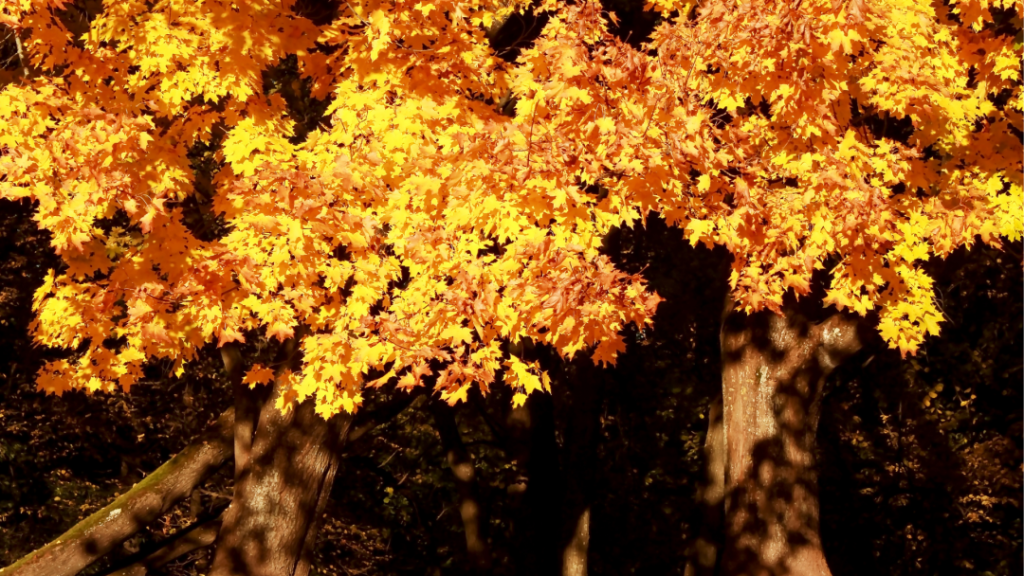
[393, 212]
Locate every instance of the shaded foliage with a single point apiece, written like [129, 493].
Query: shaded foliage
[921, 460]
[915, 478]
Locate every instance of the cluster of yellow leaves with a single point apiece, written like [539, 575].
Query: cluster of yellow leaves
[417, 232]
[394, 234]
[802, 176]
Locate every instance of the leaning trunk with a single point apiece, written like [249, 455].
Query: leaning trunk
[196, 536]
[270, 528]
[774, 368]
[106, 529]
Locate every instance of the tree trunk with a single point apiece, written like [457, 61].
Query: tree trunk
[574, 555]
[536, 528]
[774, 369]
[705, 553]
[104, 530]
[584, 384]
[248, 402]
[270, 528]
[460, 461]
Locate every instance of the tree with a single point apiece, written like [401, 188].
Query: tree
[339, 177]
[831, 160]
[338, 246]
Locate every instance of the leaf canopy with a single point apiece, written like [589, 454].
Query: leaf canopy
[417, 231]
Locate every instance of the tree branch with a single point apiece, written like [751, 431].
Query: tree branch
[92, 538]
[104, 530]
[200, 534]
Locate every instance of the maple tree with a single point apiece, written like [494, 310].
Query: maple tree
[398, 228]
[461, 228]
[441, 268]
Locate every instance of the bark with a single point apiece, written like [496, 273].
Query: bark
[460, 462]
[248, 402]
[706, 551]
[196, 536]
[204, 533]
[774, 369]
[46, 560]
[537, 522]
[574, 556]
[584, 385]
[271, 525]
[106, 529]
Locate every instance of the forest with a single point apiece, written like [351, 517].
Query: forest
[513, 287]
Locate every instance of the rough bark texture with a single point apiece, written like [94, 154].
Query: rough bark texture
[706, 551]
[774, 369]
[478, 552]
[101, 532]
[271, 525]
[177, 475]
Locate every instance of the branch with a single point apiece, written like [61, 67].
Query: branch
[21, 54]
[470, 506]
[839, 338]
[200, 534]
[366, 421]
[104, 530]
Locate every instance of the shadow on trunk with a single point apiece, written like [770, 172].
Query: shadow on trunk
[106, 529]
[774, 370]
[585, 384]
[284, 470]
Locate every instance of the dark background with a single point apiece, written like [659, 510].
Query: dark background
[920, 459]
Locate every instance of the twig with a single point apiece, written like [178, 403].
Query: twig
[21, 54]
[356, 14]
[529, 144]
[215, 494]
